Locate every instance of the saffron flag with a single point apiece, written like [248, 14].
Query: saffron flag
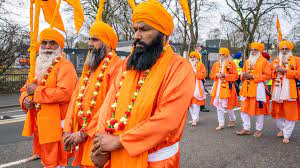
[78, 13]
[278, 29]
[48, 8]
[185, 7]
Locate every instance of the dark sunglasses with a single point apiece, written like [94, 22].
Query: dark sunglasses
[93, 39]
[51, 42]
[285, 49]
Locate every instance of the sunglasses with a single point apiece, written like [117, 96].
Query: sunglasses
[285, 49]
[51, 42]
[93, 39]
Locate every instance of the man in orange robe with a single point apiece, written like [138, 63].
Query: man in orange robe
[56, 80]
[199, 93]
[223, 95]
[285, 73]
[102, 44]
[254, 98]
[143, 116]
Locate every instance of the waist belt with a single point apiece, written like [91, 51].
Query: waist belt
[164, 153]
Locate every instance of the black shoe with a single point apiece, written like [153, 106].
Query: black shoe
[204, 109]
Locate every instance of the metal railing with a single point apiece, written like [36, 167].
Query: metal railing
[12, 82]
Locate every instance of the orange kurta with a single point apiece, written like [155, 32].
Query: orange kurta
[288, 109]
[45, 124]
[164, 125]
[229, 90]
[200, 75]
[82, 157]
[261, 73]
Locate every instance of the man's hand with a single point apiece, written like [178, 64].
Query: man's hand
[280, 70]
[105, 143]
[28, 103]
[221, 75]
[31, 88]
[100, 160]
[74, 139]
[247, 76]
[66, 136]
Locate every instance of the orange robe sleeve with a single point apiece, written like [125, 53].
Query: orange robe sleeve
[173, 100]
[23, 95]
[266, 72]
[243, 70]
[233, 74]
[201, 72]
[64, 88]
[273, 73]
[297, 75]
[294, 73]
[213, 73]
[68, 126]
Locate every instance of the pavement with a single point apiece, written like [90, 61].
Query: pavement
[9, 99]
[201, 146]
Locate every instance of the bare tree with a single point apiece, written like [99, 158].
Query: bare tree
[14, 40]
[117, 13]
[200, 11]
[70, 39]
[247, 14]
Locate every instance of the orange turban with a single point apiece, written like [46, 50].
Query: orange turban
[105, 33]
[258, 46]
[155, 15]
[51, 34]
[224, 51]
[195, 54]
[286, 43]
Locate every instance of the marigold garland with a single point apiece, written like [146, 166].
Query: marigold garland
[84, 116]
[45, 77]
[113, 124]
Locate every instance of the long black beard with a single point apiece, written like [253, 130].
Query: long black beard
[144, 58]
[95, 57]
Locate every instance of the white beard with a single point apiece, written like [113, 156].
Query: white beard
[44, 60]
[253, 59]
[284, 57]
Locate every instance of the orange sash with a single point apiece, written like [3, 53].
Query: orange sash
[143, 107]
[43, 120]
[251, 90]
[89, 92]
[224, 90]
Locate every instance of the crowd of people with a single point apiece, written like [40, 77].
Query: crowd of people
[132, 113]
[264, 84]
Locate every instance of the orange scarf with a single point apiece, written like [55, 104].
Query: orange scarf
[89, 91]
[224, 91]
[143, 107]
[257, 70]
[198, 69]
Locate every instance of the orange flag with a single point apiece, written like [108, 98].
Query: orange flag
[34, 29]
[131, 4]
[278, 29]
[48, 10]
[100, 10]
[78, 13]
[185, 7]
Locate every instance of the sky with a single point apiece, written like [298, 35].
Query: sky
[20, 14]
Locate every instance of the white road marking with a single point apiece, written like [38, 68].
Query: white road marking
[13, 163]
[235, 109]
[16, 118]
[11, 111]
